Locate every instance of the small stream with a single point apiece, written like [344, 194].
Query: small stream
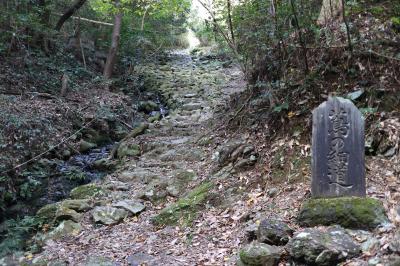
[53, 179]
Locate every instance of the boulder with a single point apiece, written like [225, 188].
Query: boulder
[65, 228]
[349, 212]
[104, 164]
[85, 146]
[260, 254]
[133, 206]
[64, 213]
[108, 215]
[148, 106]
[47, 213]
[185, 209]
[128, 149]
[273, 232]
[86, 191]
[329, 246]
[79, 205]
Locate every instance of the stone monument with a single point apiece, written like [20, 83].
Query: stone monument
[337, 150]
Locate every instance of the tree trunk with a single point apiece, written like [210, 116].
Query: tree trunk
[228, 2]
[78, 4]
[301, 39]
[112, 54]
[330, 11]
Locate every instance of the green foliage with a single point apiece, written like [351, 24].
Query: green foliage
[13, 233]
[76, 174]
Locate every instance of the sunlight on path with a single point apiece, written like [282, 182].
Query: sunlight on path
[192, 39]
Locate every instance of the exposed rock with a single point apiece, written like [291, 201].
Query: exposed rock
[139, 130]
[98, 261]
[138, 174]
[104, 164]
[85, 146]
[272, 192]
[116, 185]
[260, 254]
[86, 191]
[148, 106]
[155, 117]
[394, 245]
[315, 246]
[128, 149]
[251, 231]
[108, 215]
[135, 207]
[65, 228]
[182, 154]
[192, 106]
[185, 209]
[48, 213]
[139, 259]
[237, 152]
[273, 232]
[79, 205]
[64, 213]
[349, 212]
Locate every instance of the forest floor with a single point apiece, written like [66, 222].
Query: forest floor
[188, 142]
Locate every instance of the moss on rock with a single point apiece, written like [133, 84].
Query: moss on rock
[185, 209]
[86, 191]
[126, 149]
[349, 212]
[260, 254]
[47, 213]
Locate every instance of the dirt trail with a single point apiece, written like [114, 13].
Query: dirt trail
[172, 162]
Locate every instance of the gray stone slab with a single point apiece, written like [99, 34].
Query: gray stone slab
[338, 167]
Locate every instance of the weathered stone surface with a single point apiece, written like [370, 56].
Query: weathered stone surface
[273, 232]
[185, 209]
[104, 164]
[65, 228]
[349, 212]
[394, 245]
[138, 174]
[139, 259]
[133, 206]
[86, 191]
[48, 212]
[98, 261]
[338, 150]
[79, 205]
[148, 106]
[108, 215]
[64, 213]
[128, 149]
[260, 254]
[85, 146]
[315, 246]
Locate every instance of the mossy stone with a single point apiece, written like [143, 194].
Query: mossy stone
[47, 213]
[85, 146]
[86, 191]
[126, 149]
[79, 205]
[185, 209]
[349, 212]
[260, 254]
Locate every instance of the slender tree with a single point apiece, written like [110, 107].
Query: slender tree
[78, 4]
[112, 53]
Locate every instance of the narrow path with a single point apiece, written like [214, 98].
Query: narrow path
[172, 163]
